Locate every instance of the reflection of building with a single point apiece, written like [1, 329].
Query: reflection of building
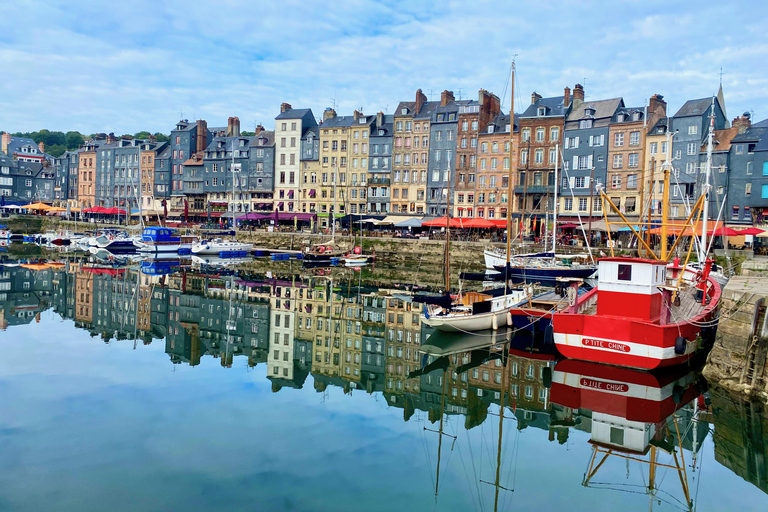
[403, 332]
[25, 291]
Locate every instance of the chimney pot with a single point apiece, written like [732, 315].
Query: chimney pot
[535, 97]
[446, 97]
[328, 113]
[284, 107]
[41, 146]
[420, 100]
[6, 141]
[379, 119]
[566, 96]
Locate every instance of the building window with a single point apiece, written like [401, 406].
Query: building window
[693, 130]
[654, 147]
[765, 168]
[632, 181]
[634, 138]
[585, 124]
[554, 133]
[540, 135]
[618, 139]
[748, 189]
[634, 160]
[691, 148]
[526, 134]
[625, 272]
[568, 204]
[582, 204]
[618, 161]
[616, 181]
[735, 213]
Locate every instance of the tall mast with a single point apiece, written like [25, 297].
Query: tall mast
[703, 248]
[333, 212]
[512, 161]
[666, 168]
[234, 225]
[448, 232]
[554, 209]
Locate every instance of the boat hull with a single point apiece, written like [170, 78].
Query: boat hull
[216, 249]
[544, 276]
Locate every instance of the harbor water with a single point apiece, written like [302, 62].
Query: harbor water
[145, 387]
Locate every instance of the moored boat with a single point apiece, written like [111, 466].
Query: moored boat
[217, 246]
[158, 239]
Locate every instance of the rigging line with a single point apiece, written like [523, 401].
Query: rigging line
[474, 470]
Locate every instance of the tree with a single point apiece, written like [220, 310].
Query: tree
[74, 140]
[55, 150]
[162, 137]
[143, 135]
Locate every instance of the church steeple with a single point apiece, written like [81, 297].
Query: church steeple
[721, 100]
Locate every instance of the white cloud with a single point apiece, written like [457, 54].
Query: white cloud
[134, 66]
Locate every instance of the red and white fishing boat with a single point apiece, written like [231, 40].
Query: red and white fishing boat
[644, 314]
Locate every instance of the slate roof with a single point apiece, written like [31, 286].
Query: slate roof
[294, 113]
[269, 135]
[761, 124]
[603, 109]
[554, 106]
[500, 123]
[20, 142]
[314, 130]
[662, 124]
[426, 110]
[721, 140]
[338, 122]
[628, 111]
[694, 107]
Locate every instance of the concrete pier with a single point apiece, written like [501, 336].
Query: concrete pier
[738, 359]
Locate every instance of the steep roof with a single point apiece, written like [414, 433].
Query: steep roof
[294, 113]
[554, 107]
[722, 139]
[603, 109]
[694, 107]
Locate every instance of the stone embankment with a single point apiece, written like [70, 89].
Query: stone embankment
[738, 359]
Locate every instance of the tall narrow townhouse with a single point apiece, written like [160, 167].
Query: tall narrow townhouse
[186, 138]
[541, 132]
[310, 169]
[626, 144]
[473, 119]
[380, 164]
[442, 152]
[105, 176]
[655, 149]
[225, 171]
[334, 162]
[162, 187]
[126, 186]
[745, 172]
[149, 152]
[409, 155]
[290, 126]
[86, 196]
[585, 153]
[492, 190]
[357, 185]
[689, 127]
[261, 178]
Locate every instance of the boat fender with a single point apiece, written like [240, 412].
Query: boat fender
[549, 334]
[494, 323]
[546, 376]
[680, 345]
[677, 393]
[509, 318]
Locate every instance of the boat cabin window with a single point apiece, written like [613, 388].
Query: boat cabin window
[625, 272]
[617, 436]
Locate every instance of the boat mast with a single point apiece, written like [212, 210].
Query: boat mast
[703, 248]
[512, 160]
[666, 167]
[333, 211]
[232, 168]
[554, 209]
[448, 232]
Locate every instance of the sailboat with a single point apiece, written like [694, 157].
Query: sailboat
[477, 311]
[645, 313]
[326, 253]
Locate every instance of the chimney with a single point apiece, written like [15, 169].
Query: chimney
[446, 97]
[535, 97]
[151, 139]
[229, 126]
[284, 107]
[578, 95]
[420, 100]
[379, 119]
[111, 138]
[566, 96]
[742, 123]
[236, 126]
[657, 105]
[41, 146]
[357, 115]
[258, 129]
[6, 142]
[202, 136]
[328, 113]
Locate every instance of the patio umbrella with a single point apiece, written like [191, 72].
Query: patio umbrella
[36, 206]
[752, 231]
[723, 231]
[479, 222]
[56, 209]
[568, 225]
[409, 223]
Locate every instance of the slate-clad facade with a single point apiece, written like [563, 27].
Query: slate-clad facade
[380, 164]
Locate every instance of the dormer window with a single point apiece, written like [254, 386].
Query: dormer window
[585, 124]
[403, 111]
[507, 127]
[636, 116]
[620, 118]
[381, 132]
[542, 111]
[362, 120]
[490, 128]
[589, 112]
[242, 143]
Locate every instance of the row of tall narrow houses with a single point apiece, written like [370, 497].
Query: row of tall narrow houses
[420, 159]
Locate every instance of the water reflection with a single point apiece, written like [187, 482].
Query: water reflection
[469, 397]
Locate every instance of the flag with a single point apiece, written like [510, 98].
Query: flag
[186, 211]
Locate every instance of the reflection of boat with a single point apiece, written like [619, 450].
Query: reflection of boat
[545, 273]
[115, 243]
[356, 261]
[163, 266]
[631, 412]
[218, 261]
[217, 246]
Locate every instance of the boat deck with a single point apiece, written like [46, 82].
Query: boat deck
[689, 307]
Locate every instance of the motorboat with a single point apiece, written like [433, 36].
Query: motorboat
[219, 247]
[158, 239]
[116, 242]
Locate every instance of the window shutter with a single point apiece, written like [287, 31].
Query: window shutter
[575, 162]
[571, 182]
[586, 181]
[576, 142]
[589, 161]
[567, 142]
[591, 140]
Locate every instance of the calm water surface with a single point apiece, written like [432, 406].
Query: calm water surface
[125, 391]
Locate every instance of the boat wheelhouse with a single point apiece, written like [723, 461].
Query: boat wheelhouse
[631, 318]
[159, 239]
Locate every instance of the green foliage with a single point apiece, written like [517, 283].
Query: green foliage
[143, 135]
[74, 140]
[57, 140]
[162, 137]
[56, 150]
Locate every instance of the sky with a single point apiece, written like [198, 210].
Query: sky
[124, 67]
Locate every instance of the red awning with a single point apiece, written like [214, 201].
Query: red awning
[479, 222]
[217, 214]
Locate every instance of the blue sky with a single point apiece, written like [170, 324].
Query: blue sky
[130, 66]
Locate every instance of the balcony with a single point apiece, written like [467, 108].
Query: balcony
[375, 180]
[535, 189]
